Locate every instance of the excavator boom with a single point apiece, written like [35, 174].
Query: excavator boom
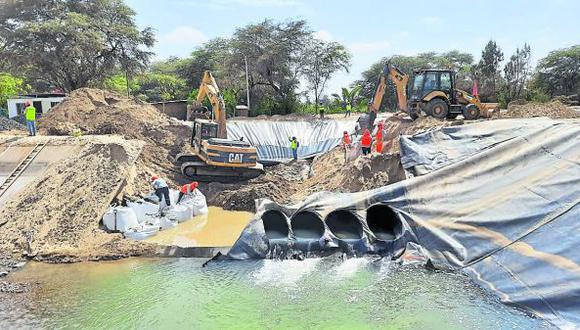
[213, 156]
[210, 89]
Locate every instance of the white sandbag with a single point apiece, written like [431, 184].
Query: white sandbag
[166, 223]
[143, 210]
[142, 232]
[180, 213]
[197, 202]
[120, 218]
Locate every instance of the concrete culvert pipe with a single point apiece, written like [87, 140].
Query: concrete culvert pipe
[275, 225]
[384, 222]
[344, 225]
[307, 225]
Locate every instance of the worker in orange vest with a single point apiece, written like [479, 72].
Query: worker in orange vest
[345, 144]
[366, 141]
[379, 137]
[187, 189]
[345, 140]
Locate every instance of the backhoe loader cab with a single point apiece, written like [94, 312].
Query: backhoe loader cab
[426, 81]
[433, 91]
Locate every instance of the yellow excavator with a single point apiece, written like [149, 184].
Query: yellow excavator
[214, 156]
[433, 92]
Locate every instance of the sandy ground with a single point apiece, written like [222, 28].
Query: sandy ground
[56, 218]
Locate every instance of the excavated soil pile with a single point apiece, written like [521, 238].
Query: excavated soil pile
[97, 112]
[554, 110]
[7, 124]
[277, 184]
[56, 219]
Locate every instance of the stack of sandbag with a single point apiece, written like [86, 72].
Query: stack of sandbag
[123, 219]
[148, 213]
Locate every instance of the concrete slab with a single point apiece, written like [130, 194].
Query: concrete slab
[12, 156]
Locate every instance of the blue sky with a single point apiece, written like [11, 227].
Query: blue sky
[372, 29]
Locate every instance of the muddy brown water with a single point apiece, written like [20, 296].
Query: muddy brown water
[218, 228]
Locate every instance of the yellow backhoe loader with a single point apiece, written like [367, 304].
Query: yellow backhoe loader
[433, 92]
[214, 157]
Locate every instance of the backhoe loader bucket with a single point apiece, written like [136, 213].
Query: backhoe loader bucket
[488, 109]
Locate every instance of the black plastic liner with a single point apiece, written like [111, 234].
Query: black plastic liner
[498, 200]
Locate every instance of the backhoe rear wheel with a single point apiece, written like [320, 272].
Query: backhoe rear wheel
[471, 112]
[438, 108]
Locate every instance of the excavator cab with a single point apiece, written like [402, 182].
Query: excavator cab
[203, 130]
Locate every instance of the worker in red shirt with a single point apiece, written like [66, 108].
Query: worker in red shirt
[345, 140]
[345, 144]
[366, 141]
[186, 189]
[379, 137]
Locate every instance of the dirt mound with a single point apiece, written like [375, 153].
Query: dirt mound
[96, 112]
[554, 110]
[292, 182]
[56, 219]
[278, 183]
[7, 124]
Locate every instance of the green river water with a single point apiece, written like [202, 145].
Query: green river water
[265, 294]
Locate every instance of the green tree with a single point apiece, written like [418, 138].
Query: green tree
[487, 70]
[322, 60]
[72, 43]
[559, 72]
[347, 96]
[9, 87]
[161, 87]
[274, 53]
[516, 73]
[118, 83]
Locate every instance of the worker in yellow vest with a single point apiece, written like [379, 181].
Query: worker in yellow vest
[294, 144]
[30, 115]
[348, 110]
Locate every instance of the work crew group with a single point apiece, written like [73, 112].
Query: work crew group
[366, 142]
[162, 191]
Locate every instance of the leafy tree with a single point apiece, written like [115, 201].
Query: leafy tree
[72, 43]
[559, 72]
[118, 83]
[9, 87]
[516, 73]
[322, 60]
[274, 53]
[161, 87]
[487, 70]
[348, 96]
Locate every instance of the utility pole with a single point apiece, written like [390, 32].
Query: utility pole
[247, 84]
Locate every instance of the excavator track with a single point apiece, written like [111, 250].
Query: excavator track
[199, 171]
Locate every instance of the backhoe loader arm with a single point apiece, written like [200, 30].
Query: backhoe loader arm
[400, 80]
[210, 89]
[379, 93]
